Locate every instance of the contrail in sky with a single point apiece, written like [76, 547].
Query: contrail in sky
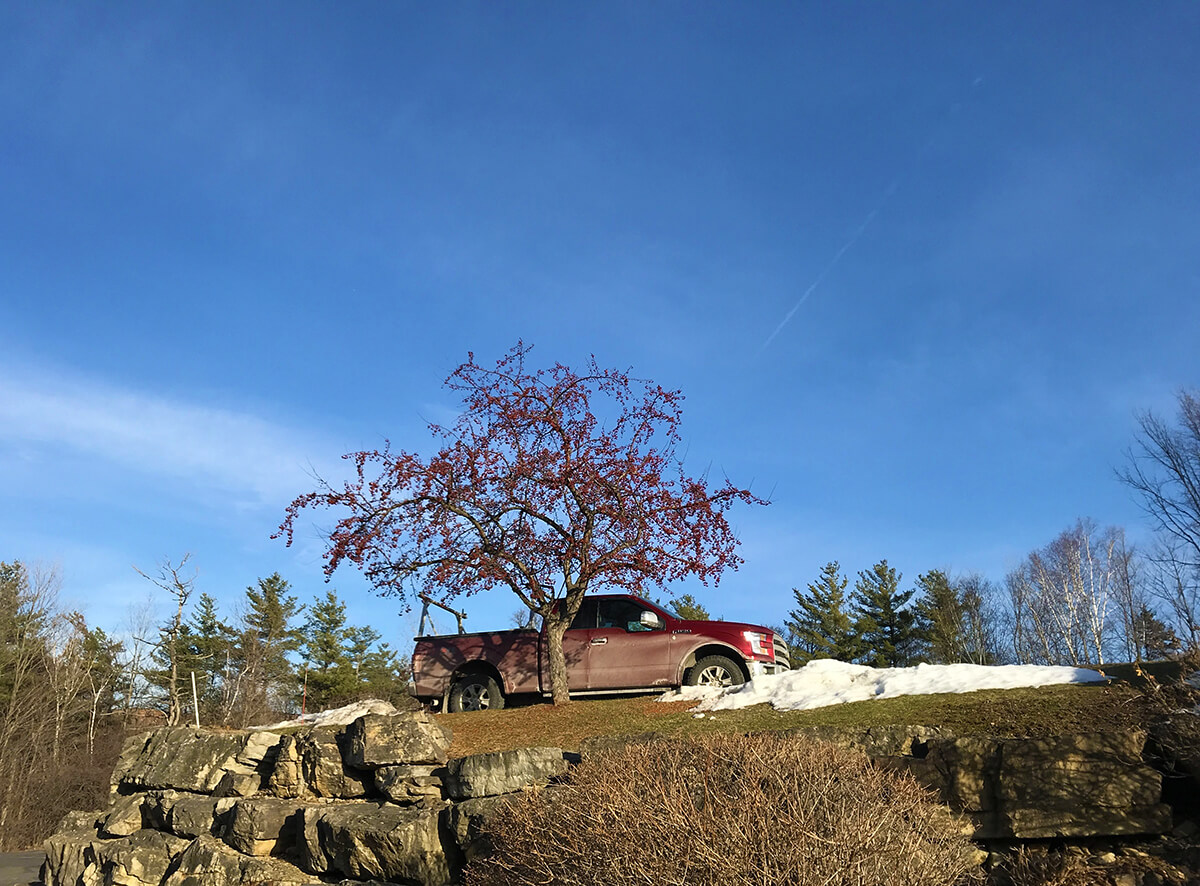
[891, 189]
[837, 256]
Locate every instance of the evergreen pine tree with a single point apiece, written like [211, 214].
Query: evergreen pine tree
[1152, 637]
[330, 675]
[267, 638]
[888, 630]
[939, 614]
[209, 643]
[821, 626]
[24, 624]
[381, 674]
[689, 608]
[359, 641]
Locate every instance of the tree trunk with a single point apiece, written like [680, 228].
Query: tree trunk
[173, 704]
[556, 627]
[91, 733]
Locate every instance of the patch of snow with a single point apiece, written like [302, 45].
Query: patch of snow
[342, 716]
[827, 682]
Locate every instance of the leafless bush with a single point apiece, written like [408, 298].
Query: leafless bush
[729, 811]
[1028, 868]
[1067, 866]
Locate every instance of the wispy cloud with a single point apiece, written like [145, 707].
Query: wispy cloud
[257, 460]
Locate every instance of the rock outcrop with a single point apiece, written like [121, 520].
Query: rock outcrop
[373, 801]
[380, 801]
[1090, 785]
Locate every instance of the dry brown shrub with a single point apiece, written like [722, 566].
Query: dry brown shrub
[1046, 866]
[1029, 868]
[729, 811]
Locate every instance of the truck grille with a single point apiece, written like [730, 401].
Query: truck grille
[781, 652]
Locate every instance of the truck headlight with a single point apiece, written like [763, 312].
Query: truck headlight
[760, 644]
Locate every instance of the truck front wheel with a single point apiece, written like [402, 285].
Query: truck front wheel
[715, 670]
[475, 692]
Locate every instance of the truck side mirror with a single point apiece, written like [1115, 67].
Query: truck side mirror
[650, 620]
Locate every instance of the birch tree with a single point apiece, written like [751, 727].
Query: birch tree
[170, 647]
[1163, 471]
[1063, 596]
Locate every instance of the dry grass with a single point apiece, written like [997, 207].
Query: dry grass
[1051, 710]
[729, 811]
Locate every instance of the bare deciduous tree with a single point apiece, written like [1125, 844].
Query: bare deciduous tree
[1062, 596]
[1163, 469]
[170, 577]
[67, 669]
[52, 757]
[25, 604]
[977, 596]
[139, 625]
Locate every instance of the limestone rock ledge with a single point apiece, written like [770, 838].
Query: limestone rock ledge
[371, 802]
[1073, 786]
[379, 800]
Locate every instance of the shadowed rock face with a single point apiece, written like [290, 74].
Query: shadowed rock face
[196, 815]
[411, 784]
[140, 859]
[208, 862]
[1068, 786]
[466, 822]
[265, 826]
[371, 841]
[325, 768]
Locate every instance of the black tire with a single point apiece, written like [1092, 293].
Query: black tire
[475, 692]
[715, 670]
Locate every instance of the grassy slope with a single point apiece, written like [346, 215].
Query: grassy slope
[1049, 710]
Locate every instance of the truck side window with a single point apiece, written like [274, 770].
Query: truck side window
[585, 618]
[622, 614]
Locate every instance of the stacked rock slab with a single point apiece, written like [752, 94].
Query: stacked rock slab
[379, 800]
[1072, 786]
[369, 802]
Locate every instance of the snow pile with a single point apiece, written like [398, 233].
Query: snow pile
[342, 716]
[826, 682]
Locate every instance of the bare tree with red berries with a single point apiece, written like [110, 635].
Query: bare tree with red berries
[551, 482]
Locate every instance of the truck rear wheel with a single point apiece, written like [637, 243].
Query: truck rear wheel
[715, 670]
[475, 692]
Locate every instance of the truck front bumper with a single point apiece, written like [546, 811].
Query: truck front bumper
[761, 668]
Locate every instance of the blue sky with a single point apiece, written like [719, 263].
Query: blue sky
[915, 266]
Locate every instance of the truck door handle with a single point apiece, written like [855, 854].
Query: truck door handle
[599, 641]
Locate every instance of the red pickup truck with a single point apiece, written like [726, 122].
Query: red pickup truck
[616, 644]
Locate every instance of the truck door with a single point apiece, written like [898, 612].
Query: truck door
[625, 654]
[576, 648]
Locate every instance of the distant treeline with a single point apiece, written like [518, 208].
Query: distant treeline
[1085, 598]
[70, 693]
